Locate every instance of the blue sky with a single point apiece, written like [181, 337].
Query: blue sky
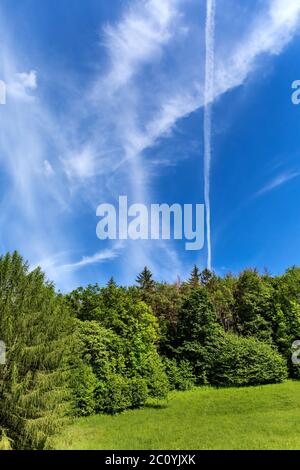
[106, 98]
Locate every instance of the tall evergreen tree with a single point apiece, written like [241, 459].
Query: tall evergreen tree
[206, 276]
[194, 280]
[145, 280]
[36, 329]
[112, 283]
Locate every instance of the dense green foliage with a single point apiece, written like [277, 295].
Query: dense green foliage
[220, 331]
[242, 361]
[117, 352]
[105, 350]
[180, 374]
[198, 333]
[221, 358]
[193, 316]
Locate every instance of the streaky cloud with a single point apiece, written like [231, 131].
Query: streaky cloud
[99, 257]
[280, 180]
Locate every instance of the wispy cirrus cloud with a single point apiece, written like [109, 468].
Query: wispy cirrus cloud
[138, 39]
[132, 123]
[280, 180]
[100, 257]
[269, 33]
[30, 188]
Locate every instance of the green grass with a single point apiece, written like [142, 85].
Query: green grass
[204, 418]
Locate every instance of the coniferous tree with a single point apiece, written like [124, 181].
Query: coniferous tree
[36, 329]
[194, 280]
[145, 280]
[112, 282]
[206, 276]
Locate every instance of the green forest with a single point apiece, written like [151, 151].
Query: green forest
[103, 350]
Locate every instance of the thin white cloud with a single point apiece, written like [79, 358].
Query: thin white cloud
[138, 39]
[29, 141]
[99, 257]
[48, 169]
[28, 79]
[22, 85]
[280, 180]
[270, 33]
[81, 165]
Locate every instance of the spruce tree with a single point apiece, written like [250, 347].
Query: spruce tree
[194, 280]
[37, 332]
[111, 283]
[206, 276]
[145, 280]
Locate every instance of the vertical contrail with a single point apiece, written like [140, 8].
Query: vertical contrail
[208, 100]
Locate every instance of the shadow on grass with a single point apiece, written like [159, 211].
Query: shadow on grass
[156, 404]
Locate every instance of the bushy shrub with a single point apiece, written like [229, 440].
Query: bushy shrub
[113, 395]
[180, 374]
[156, 378]
[83, 385]
[240, 361]
[118, 393]
[139, 392]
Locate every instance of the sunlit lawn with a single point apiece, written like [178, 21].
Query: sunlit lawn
[204, 418]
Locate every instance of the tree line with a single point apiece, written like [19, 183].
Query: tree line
[108, 349]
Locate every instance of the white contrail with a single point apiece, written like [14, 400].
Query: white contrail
[208, 100]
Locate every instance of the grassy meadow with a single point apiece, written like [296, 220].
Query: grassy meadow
[204, 418]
